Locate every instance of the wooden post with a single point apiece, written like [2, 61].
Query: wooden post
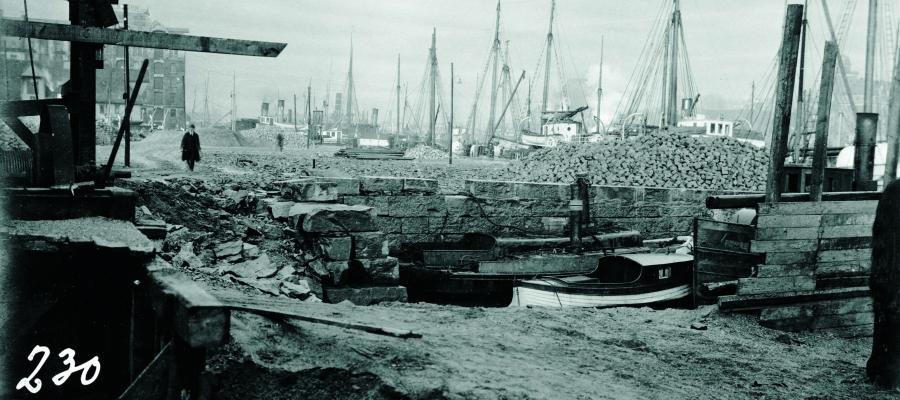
[893, 125]
[309, 117]
[883, 367]
[783, 100]
[825, 90]
[127, 91]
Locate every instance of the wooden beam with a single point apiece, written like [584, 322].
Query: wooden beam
[198, 318]
[26, 108]
[155, 40]
[825, 90]
[783, 100]
[20, 129]
[753, 200]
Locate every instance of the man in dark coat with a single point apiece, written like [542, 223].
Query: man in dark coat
[190, 147]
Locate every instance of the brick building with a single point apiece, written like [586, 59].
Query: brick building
[162, 98]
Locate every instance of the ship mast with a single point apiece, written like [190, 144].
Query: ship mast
[495, 53]
[671, 115]
[431, 87]
[547, 64]
[350, 86]
[868, 89]
[599, 85]
[398, 95]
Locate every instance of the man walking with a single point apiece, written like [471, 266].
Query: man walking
[190, 147]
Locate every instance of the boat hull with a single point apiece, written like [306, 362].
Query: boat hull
[545, 297]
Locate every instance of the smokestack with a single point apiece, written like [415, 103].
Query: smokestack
[864, 155]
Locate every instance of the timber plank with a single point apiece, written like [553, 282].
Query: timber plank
[797, 257]
[764, 300]
[845, 243]
[200, 319]
[843, 268]
[788, 221]
[782, 270]
[775, 285]
[825, 207]
[846, 231]
[844, 255]
[723, 235]
[829, 307]
[841, 281]
[787, 233]
[781, 246]
[848, 219]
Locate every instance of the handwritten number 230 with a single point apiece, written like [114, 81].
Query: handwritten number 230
[33, 384]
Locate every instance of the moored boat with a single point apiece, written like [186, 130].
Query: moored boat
[618, 280]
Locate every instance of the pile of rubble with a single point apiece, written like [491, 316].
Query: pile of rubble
[292, 241]
[424, 152]
[654, 160]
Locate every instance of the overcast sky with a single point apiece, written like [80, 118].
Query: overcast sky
[731, 43]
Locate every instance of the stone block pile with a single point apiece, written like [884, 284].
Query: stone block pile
[343, 245]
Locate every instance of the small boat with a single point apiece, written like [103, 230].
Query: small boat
[618, 280]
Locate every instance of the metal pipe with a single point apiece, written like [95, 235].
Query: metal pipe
[864, 154]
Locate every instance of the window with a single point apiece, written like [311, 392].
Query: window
[157, 68]
[157, 97]
[170, 98]
[157, 53]
[173, 69]
[157, 83]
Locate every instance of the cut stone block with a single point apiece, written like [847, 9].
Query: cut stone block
[380, 270]
[418, 185]
[330, 272]
[333, 248]
[280, 210]
[332, 218]
[381, 184]
[369, 245]
[309, 189]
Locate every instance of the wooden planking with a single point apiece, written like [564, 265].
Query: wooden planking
[782, 270]
[787, 233]
[848, 219]
[845, 255]
[775, 285]
[795, 257]
[788, 221]
[825, 207]
[776, 246]
[844, 268]
[845, 243]
[765, 300]
[828, 307]
[156, 40]
[848, 231]
[22, 131]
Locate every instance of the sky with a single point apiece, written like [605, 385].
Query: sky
[731, 44]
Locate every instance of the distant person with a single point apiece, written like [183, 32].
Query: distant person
[279, 140]
[190, 147]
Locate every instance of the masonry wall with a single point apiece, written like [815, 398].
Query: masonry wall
[413, 210]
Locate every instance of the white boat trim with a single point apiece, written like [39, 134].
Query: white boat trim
[524, 296]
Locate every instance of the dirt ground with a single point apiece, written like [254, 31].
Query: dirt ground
[475, 353]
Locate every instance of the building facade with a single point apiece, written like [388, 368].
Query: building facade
[160, 104]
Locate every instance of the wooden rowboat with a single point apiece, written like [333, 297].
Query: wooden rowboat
[619, 280]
